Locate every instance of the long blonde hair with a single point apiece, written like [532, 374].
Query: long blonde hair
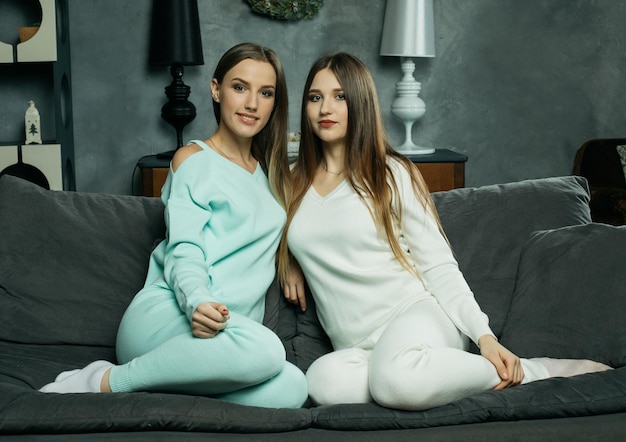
[367, 150]
[269, 146]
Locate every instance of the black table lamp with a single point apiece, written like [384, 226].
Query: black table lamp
[175, 41]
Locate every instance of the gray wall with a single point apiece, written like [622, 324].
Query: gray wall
[516, 85]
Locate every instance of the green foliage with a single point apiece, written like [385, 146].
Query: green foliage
[286, 9]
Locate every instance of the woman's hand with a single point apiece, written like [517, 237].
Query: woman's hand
[507, 364]
[209, 319]
[293, 289]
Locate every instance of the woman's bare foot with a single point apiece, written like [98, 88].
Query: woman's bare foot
[104, 382]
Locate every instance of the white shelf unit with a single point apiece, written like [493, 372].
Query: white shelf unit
[45, 157]
[50, 45]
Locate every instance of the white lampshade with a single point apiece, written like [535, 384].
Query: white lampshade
[408, 29]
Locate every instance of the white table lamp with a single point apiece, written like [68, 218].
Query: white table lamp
[409, 31]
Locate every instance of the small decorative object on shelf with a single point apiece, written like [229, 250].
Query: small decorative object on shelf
[293, 143]
[32, 124]
[286, 9]
[27, 32]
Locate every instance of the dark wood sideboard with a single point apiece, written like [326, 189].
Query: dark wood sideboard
[442, 170]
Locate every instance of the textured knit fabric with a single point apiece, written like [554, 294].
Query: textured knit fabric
[223, 228]
[358, 284]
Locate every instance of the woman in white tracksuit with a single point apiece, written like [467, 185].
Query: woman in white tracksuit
[365, 233]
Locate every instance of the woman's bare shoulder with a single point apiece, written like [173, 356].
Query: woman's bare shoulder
[183, 153]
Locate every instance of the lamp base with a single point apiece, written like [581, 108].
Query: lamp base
[412, 149]
[178, 111]
[409, 108]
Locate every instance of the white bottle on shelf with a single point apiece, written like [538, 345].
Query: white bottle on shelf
[32, 124]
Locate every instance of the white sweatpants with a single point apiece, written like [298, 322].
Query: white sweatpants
[419, 361]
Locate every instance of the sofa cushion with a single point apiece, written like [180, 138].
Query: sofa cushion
[23, 410]
[301, 332]
[71, 262]
[570, 297]
[587, 395]
[487, 227]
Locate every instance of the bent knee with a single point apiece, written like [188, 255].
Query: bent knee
[332, 380]
[294, 391]
[403, 400]
[258, 347]
[405, 393]
[268, 356]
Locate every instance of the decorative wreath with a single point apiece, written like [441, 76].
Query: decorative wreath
[286, 9]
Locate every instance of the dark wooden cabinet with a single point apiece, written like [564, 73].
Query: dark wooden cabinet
[442, 170]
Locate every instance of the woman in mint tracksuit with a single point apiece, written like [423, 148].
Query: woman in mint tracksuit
[196, 327]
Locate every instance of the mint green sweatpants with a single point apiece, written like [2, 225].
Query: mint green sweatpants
[244, 363]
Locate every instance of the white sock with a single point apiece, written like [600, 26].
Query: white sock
[85, 380]
[570, 367]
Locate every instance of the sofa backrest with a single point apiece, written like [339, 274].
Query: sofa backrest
[71, 262]
[488, 226]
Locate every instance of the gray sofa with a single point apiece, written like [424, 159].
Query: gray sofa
[552, 282]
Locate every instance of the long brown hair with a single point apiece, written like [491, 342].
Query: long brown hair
[367, 150]
[269, 146]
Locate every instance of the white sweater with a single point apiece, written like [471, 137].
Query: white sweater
[358, 284]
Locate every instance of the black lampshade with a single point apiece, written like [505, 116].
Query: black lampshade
[175, 35]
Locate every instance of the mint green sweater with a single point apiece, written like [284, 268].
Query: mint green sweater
[223, 229]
